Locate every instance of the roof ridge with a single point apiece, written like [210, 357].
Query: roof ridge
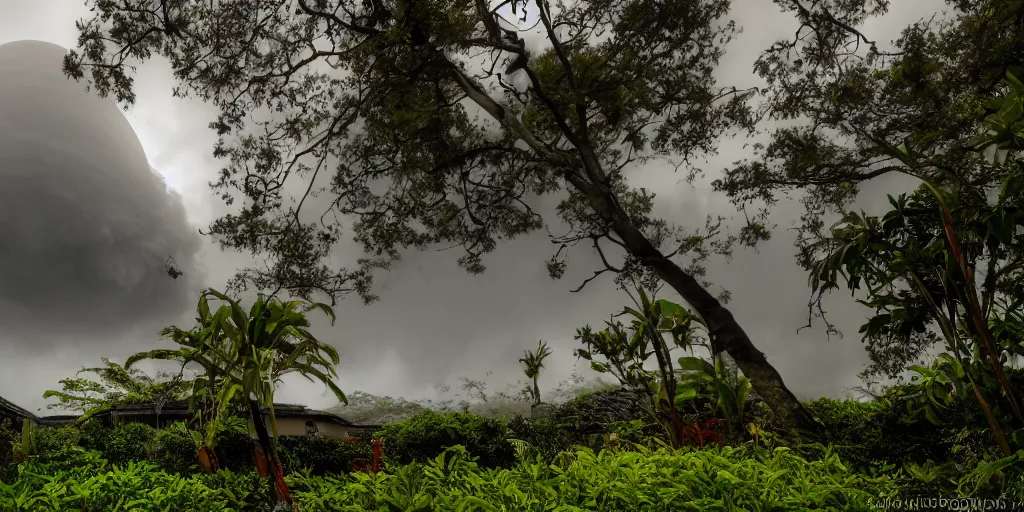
[11, 406]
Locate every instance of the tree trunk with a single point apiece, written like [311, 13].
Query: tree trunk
[277, 485]
[726, 334]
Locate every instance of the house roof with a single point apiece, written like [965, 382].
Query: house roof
[57, 420]
[9, 410]
[176, 406]
[301, 411]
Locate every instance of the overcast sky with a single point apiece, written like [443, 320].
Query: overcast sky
[87, 227]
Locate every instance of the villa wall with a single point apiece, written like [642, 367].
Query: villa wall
[297, 427]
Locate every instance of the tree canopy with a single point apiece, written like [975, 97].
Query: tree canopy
[931, 107]
[860, 111]
[415, 124]
[116, 384]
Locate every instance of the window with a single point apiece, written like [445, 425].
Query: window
[311, 429]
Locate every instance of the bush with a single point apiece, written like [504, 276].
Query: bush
[324, 455]
[130, 442]
[92, 483]
[650, 480]
[710, 479]
[249, 489]
[547, 438]
[591, 413]
[8, 437]
[92, 434]
[56, 441]
[427, 435]
[869, 433]
[176, 451]
[234, 448]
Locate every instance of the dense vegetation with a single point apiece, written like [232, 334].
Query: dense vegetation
[588, 455]
[941, 269]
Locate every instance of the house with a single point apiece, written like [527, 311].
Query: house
[153, 414]
[292, 420]
[298, 420]
[16, 415]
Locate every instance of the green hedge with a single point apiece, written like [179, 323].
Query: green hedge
[868, 434]
[323, 455]
[425, 436]
[130, 442]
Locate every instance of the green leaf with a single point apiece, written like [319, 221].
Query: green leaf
[696, 364]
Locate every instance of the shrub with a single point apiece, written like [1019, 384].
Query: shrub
[8, 437]
[883, 431]
[57, 444]
[176, 451]
[92, 483]
[324, 455]
[712, 479]
[427, 435]
[542, 434]
[249, 489]
[92, 434]
[235, 448]
[130, 442]
[591, 413]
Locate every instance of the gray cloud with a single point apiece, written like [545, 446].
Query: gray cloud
[87, 225]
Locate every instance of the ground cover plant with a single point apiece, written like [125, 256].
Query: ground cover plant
[664, 479]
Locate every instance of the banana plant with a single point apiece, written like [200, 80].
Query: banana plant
[936, 387]
[724, 382]
[626, 350]
[114, 384]
[245, 354]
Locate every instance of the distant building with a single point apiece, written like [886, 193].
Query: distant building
[298, 420]
[16, 415]
[292, 420]
[151, 413]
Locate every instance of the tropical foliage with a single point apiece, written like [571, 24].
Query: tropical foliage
[116, 385]
[626, 353]
[533, 362]
[398, 96]
[244, 355]
[584, 480]
[944, 106]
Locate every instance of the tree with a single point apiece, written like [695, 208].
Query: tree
[533, 362]
[365, 408]
[918, 263]
[259, 347]
[382, 91]
[914, 280]
[854, 112]
[116, 384]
